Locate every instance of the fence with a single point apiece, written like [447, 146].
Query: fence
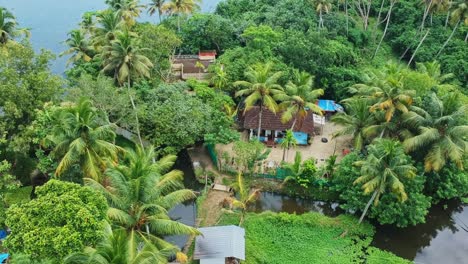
[280, 174]
[213, 155]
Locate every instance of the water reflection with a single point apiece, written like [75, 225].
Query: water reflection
[283, 203]
[441, 239]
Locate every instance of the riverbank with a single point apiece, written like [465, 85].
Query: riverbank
[308, 238]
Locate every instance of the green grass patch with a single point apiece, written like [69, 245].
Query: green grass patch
[20, 195]
[276, 238]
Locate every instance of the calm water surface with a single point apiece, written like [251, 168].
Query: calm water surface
[442, 239]
[51, 20]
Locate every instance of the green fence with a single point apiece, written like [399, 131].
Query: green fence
[280, 174]
[213, 155]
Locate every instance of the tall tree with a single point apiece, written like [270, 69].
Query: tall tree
[128, 10]
[140, 193]
[80, 139]
[355, 121]
[363, 7]
[441, 132]
[180, 7]
[383, 169]
[124, 59]
[322, 7]
[9, 27]
[299, 98]
[387, 19]
[156, 6]
[261, 87]
[109, 23]
[79, 47]
[459, 15]
[384, 89]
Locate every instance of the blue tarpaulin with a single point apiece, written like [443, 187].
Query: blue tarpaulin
[3, 234]
[329, 106]
[3, 257]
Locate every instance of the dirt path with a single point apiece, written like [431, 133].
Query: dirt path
[211, 208]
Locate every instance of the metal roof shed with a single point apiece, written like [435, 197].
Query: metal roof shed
[218, 243]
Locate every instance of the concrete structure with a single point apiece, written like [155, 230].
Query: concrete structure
[186, 67]
[220, 245]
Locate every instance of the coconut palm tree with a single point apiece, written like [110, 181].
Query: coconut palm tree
[140, 193]
[109, 23]
[299, 98]
[79, 139]
[288, 141]
[383, 169]
[180, 7]
[246, 196]
[355, 121]
[156, 6]
[384, 89]
[8, 26]
[79, 47]
[128, 10]
[441, 132]
[432, 69]
[261, 87]
[119, 246]
[125, 60]
[321, 7]
[458, 15]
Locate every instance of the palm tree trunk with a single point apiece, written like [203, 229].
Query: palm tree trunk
[367, 206]
[284, 154]
[260, 121]
[417, 48]
[136, 113]
[294, 123]
[392, 3]
[321, 19]
[466, 37]
[178, 23]
[347, 17]
[447, 19]
[426, 12]
[449, 38]
[378, 18]
[160, 15]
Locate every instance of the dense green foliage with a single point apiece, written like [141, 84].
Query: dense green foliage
[286, 238]
[63, 219]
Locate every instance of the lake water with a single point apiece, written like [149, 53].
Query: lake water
[51, 20]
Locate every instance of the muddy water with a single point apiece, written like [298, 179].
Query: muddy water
[442, 239]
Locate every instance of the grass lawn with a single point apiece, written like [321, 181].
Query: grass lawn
[309, 238]
[20, 195]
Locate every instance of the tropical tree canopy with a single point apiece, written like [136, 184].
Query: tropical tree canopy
[80, 139]
[299, 98]
[140, 193]
[439, 130]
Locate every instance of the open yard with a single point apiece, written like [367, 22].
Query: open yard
[317, 150]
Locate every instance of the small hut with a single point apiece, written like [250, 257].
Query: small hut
[220, 245]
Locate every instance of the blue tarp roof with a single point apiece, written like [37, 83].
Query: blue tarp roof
[329, 105]
[3, 257]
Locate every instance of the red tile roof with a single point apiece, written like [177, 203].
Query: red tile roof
[270, 121]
